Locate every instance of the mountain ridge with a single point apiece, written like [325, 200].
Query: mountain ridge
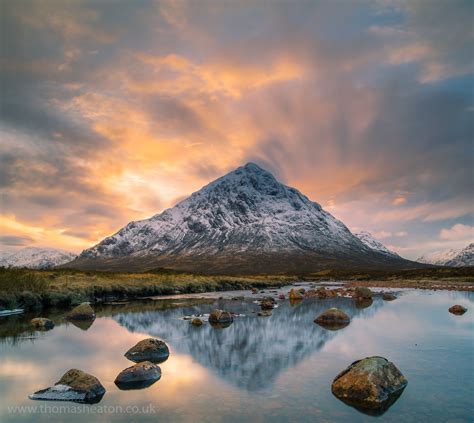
[243, 222]
[37, 258]
[452, 257]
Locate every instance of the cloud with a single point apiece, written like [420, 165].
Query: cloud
[383, 234]
[109, 116]
[437, 35]
[399, 200]
[458, 232]
[13, 240]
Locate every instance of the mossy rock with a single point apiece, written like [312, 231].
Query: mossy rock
[75, 385]
[149, 349]
[371, 385]
[82, 312]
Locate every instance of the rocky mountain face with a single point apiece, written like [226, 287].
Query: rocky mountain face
[452, 258]
[243, 222]
[36, 258]
[368, 240]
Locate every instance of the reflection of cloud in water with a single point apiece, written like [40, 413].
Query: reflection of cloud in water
[253, 351]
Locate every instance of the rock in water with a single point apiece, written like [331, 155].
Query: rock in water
[371, 385]
[363, 293]
[82, 324]
[196, 321]
[363, 302]
[149, 349]
[267, 303]
[264, 313]
[75, 385]
[295, 294]
[321, 293]
[138, 376]
[457, 309]
[333, 319]
[220, 316]
[387, 296]
[82, 312]
[42, 323]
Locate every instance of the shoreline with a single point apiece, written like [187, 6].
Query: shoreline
[435, 285]
[58, 288]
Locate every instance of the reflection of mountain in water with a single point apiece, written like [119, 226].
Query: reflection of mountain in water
[253, 350]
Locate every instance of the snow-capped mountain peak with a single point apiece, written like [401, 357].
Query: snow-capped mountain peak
[243, 220]
[37, 258]
[451, 257]
[368, 239]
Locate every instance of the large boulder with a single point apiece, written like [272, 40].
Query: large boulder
[333, 319]
[42, 323]
[82, 312]
[149, 349]
[75, 385]
[362, 293]
[264, 313]
[457, 309]
[138, 376]
[371, 385]
[220, 316]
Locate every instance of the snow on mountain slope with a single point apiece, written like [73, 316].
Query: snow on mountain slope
[452, 257]
[438, 257]
[37, 258]
[368, 239]
[242, 221]
[3, 257]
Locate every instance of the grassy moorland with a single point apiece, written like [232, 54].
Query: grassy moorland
[35, 289]
[32, 289]
[457, 278]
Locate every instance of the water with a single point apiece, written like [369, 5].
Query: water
[259, 369]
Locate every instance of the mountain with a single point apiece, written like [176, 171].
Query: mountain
[245, 222]
[368, 240]
[37, 258]
[453, 258]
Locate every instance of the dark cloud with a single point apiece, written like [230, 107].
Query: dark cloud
[78, 234]
[14, 241]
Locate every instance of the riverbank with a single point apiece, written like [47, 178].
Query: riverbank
[446, 285]
[61, 288]
[37, 289]
[437, 278]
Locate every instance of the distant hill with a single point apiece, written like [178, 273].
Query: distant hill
[36, 258]
[245, 222]
[453, 258]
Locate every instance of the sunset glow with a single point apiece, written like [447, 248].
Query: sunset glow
[112, 112]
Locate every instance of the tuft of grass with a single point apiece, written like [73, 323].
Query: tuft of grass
[17, 280]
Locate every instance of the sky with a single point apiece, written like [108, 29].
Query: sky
[113, 111]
